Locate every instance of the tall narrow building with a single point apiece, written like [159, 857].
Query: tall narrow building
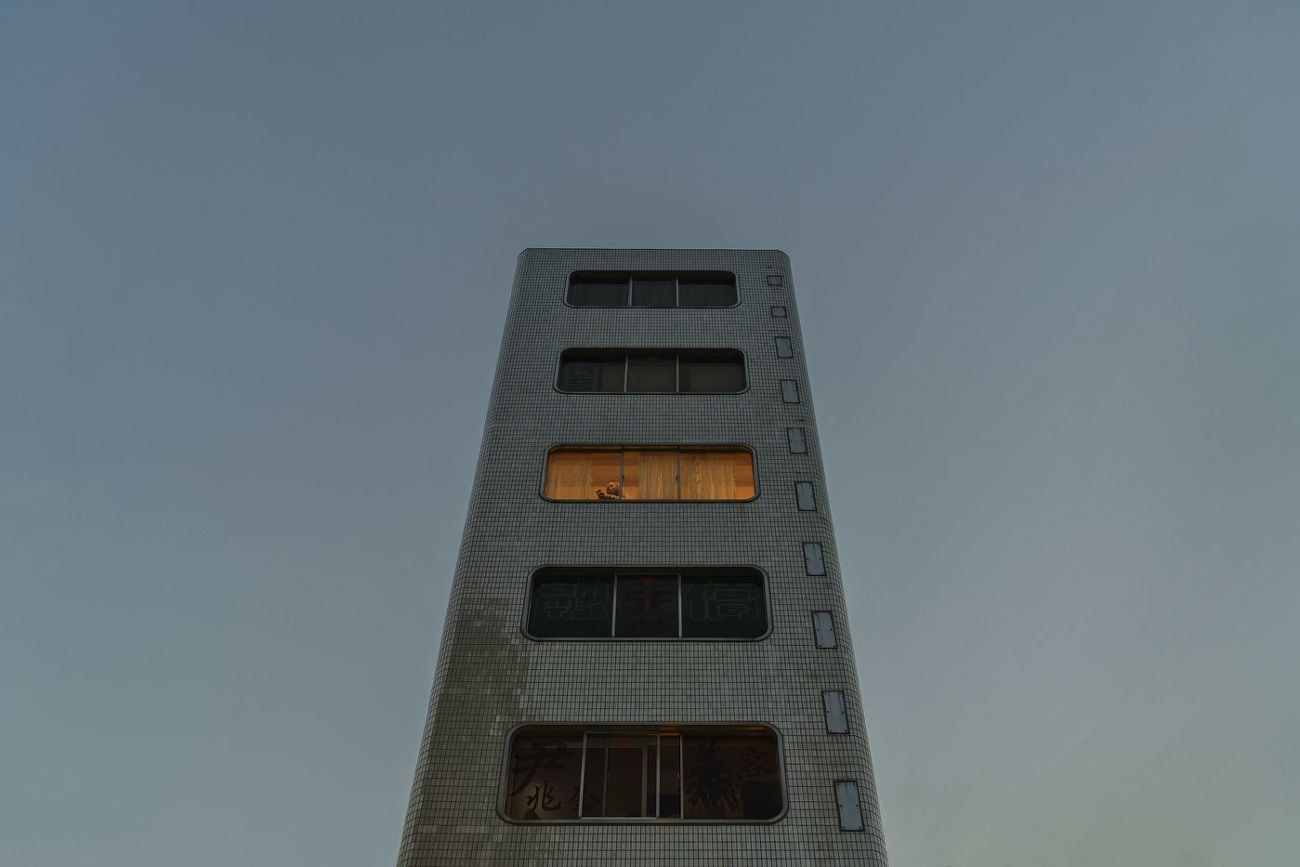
[646, 658]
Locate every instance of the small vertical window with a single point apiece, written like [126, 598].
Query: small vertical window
[775, 280]
[803, 492]
[778, 312]
[789, 391]
[783, 348]
[824, 629]
[837, 719]
[813, 563]
[797, 441]
[849, 804]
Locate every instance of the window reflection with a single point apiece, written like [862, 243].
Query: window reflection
[666, 773]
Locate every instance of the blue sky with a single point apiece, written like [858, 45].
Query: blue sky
[254, 261]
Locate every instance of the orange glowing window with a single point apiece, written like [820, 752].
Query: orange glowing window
[634, 473]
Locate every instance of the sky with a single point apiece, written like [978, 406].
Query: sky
[254, 265]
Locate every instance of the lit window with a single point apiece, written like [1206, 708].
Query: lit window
[632, 473]
[723, 603]
[667, 371]
[658, 289]
[664, 773]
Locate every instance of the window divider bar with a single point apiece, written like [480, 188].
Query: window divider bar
[582, 776]
[681, 603]
[627, 368]
[613, 615]
[659, 770]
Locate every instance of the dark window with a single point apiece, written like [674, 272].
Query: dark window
[676, 773]
[666, 371]
[598, 289]
[654, 290]
[567, 606]
[726, 603]
[645, 289]
[652, 373]
[718, 374]
[591, 372]
[647, 607]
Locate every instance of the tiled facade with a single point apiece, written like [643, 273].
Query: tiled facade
[491, 678]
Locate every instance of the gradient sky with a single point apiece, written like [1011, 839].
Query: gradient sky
[254, 264]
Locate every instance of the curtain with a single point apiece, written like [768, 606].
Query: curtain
[650, 475]
[577, 475]
[725, 475]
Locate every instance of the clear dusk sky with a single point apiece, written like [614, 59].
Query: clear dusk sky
[254, 264]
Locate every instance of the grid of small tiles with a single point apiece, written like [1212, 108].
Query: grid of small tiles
[490, 678]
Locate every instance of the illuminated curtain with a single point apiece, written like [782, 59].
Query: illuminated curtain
[717, 475]
[650, 475]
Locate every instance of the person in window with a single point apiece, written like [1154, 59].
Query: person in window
[610, 492]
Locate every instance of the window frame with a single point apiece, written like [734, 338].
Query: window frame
[646, 447]
[633, 273]
[658, 729]
[680, 571]
[677, 354]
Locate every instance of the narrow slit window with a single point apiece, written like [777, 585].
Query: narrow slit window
[789, 391]
[813, 562]
[797, 440]
[824, 629]
[849, 804]
[784, 349]
[807, 502]
[837, 719]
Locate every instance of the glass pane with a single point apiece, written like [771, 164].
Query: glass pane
[731, 776]
[567, 607]
[624, 781]
[543, 776]
[708, 290]
[715, 374]
[598, 289]
[650, 475]
[725, 475]
[591, 373]
[646, 606]
[654, 292]
[656, 373]
[593, 783]
[583, 475]
[723, 607]
[619, 770]
[670, 778]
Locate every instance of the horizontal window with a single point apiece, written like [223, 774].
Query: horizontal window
[636, 473]
[647, 603]
[663, 773]
[699, 371]
[652, 289]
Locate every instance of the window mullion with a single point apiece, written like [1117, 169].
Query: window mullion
[613, 616]
[659, 770]
[582, 776]
[681, 604]
[627, 365]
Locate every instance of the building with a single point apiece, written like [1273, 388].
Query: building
[645, 657]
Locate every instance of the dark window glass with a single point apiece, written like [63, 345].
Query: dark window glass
[721, 373]
[571, 607]
[598, 289]
[654, 291]
[591, 372]
[542, 783]
[723, 607]
[647, 606]
[707, 290]
[730, 776]
[728, 603]
[639, 773]
[652, 373]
